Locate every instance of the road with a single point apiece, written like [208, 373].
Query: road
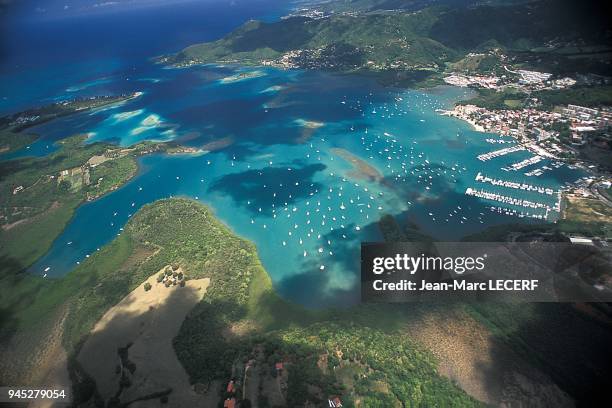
[597, 193]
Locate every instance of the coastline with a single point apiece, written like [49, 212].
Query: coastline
[17, 127]
[49, 224]
[475, 126]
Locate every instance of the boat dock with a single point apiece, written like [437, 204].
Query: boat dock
[500, 152]
[515, 185]
[509, 200]
[525, 163]
[515, 213]
[500, 141]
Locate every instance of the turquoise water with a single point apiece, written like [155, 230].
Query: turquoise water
[280, 182]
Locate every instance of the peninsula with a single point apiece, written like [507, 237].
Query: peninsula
[12, 127]
[242, 342]
[39, 194]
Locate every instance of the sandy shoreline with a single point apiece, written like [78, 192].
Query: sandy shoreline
[454, 114]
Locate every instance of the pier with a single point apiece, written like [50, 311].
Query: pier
[500, 141]
[515, 213]
[500, 152]
[513, 184]
[511, 200]
[525, 163]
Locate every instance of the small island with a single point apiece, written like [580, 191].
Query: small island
[242, 76]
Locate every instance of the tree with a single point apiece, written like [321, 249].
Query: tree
[64, 186]
[147, 286]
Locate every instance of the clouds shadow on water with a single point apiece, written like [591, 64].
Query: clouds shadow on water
[248, 187]
[313, 287]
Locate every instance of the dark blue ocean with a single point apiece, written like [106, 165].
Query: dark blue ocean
[289, 177]
[41, 55]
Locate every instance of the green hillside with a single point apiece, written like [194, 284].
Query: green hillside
[522, 26]
[346, 42]
[541, 34]
[407, 5]
[240, 296]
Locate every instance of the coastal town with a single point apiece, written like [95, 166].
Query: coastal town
[521, 80]
[550, 130]
[495, 70]
[557, 132]
[569, 135]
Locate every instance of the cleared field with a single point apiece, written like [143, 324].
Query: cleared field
[145, 322]
[586, 215]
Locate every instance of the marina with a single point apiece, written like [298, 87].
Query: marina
[541, 170]
[515, 213]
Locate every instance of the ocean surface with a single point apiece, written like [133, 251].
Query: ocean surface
[310, 161]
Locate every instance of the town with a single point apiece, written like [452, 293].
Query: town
[561, 136]
[555, 134]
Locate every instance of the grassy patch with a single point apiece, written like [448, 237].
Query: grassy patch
[588, 216]
[595, 96]
[111, 175]
[11, 141]
[513, 103]
[491, 99]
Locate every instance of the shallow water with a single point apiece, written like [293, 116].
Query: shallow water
[281, 182]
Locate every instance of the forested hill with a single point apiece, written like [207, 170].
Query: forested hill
[423, 40]
[524, 26]
[339, 6]
[350, 41]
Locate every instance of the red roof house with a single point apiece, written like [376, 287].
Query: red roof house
[230, 386]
